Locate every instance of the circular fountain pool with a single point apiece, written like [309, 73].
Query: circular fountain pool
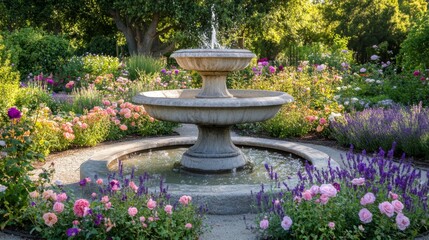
[221, 198]
[164, 163]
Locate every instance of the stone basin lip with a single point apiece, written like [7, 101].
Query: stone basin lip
[186, 98]
[221, 199]
[213, 53]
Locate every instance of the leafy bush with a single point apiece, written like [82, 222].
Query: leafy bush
[123, 203]
[375, 128]
[32, 97]
[91, 128]
[373, 198]
[104, 45]
[289, 122]
[38, 51]
[83, 100]
[415, 48]
[9, 80]
[16, 158]
[140, 64]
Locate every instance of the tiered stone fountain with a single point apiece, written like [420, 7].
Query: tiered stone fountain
[214, 108]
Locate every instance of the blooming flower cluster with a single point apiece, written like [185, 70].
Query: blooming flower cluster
[371, 197]
[120, 203]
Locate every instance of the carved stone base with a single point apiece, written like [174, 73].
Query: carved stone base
[213, 151]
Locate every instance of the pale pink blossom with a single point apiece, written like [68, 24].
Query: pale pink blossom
[365, 215]
[105, 199]
[386, 208]
[314, 190]
[323, 199]
[185, 200]
[108, 205]
[328, 189]
[34, 194]
[398, 206]
[75, 222]
[58, 207]
[99, 181]
[264, 223]
[331, 225]
[133, 186]
[402, 221]
[151, 204]
[132, 211]
[358, 181]
[394, 196]
[306, 195]
[276, 202]
[142, 219]
[50, 218]
[168, 209]
[79, 207]
[87, 211]
[188, 226]
[123, 127]
[368, 198]
[286, 223]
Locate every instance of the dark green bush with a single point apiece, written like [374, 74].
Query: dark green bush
[38, 51]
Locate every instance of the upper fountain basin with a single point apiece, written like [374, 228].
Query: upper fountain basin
[181, 106]
[217, 60]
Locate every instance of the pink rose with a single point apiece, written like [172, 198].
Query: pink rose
[264, 224]
[188, 226]
[306, 195]
[108, 205]
[314, 190]
[151, 204]
[168, 209]
[394, 196]
[75, 222]
[58, 207]
[34, 194]
[123, 127]
[184, 200]
[142, 219]
[322, 121]
[398, 206]
[368, 198]
[132, 211]
[133, 186]
[386, 208]
[79, 207]
[297, 199]
[328, 190]
[402, 221]
[286, 223]
[365, 215]
[331, 225]
[93, 195]
[105, 199]
[87, 211]
[50, 219]
[358, 181]
[61, 197]
[323, 199]
[99, 181]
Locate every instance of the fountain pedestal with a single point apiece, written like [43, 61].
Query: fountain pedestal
[213, 151]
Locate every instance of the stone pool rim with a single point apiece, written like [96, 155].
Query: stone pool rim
[220, 199]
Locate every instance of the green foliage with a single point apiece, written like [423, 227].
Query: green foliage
[9, 80]
[288, 123]
[33, 96]
[415, 48]
[102, 45]
[83, 99]
[38, 51]
[140, 64]
[92, 128]
[16, 158]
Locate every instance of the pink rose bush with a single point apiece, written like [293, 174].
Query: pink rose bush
[372, 198]
[120, 214]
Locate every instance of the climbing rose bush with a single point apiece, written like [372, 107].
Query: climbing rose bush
[374, 197]
[120, 208]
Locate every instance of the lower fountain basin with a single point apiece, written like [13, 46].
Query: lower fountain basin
[220, 199]
[182, 106]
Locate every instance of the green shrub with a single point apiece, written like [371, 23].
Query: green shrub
[16, 159]
[9, 80]
[92, 128]
[104, 45]
[288, 123]
[38, 51]
[33, 96]
[140, 64]
[83, 99]
[415, 48]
